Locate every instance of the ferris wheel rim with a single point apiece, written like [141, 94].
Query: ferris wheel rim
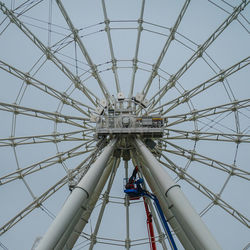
[96, 72]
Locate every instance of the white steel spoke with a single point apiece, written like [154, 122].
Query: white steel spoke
[169, 134]
[216, 110]
[218, 6]
[47, 52]
[215, 198]
[56, 159]
[187, 95]
[171, 82]
[45, 138]
[135, 59]
[199, 135]
[84, 51]
[22, 12]
[114, 61]
[29, 80]
[39, 200]
[35, 204]
[104, 203]
[53, 116]
[216, 122]
[57, 236]
[165, 48]
[27, 6]
[213, 163]
[90, 206]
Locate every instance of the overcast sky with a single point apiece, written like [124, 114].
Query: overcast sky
[45, 21]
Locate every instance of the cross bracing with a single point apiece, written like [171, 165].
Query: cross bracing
[81, 69]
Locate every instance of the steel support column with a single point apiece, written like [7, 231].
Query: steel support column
[172, 220]
[136, 159]
[78, 198]
[181, 205]
[83, 220]
[104, 203]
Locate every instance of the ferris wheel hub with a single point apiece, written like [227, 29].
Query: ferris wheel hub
[123, 118]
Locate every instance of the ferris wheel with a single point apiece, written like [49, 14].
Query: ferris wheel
[124, 124]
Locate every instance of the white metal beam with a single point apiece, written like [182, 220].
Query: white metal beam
[84, 51]
[31, 80]
[47, 52]
[201, 49]
[180, 205]
[215, 198]
[42, 114]
[44, 138]
[165, 48]
[104, 203]
[187, 95]
[211, 162]
[172, 220]
[135, 59]
[114, 61]
[199, 135]
[83, 219]
[78, 198]
[50, 161]
[210, 111]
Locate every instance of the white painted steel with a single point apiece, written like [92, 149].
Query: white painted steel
[135, 160]
[227, 121]
[181, 205]
[83, 220]
[84, 50]
[104, 203]
[76, 200]
[171, 219]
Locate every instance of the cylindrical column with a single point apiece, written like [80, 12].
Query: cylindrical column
[180, 203]
[172, 220]
[76, 200]
[83, 220]
[104, 203]
[136, 159]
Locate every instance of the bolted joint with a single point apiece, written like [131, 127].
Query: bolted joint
[135, 61]
[232, 171]
[140, 28]
[77, 83]
[126, 201]
[114, 62]
[161, 237]
[215, 201]
[75, 33]
[192, 153]
[106, 197]
[107, 21]
[172, 33]
[200, 51]
[64, 98]
[48, 53]
[154, 71]
[127, 243]
[238, 139]
[27, 79]
[93, 239]
[181, 174]
[140, 20]
[94, 71]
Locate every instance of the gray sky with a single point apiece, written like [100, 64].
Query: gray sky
[201, 20]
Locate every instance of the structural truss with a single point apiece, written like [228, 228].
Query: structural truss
[92, 90]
